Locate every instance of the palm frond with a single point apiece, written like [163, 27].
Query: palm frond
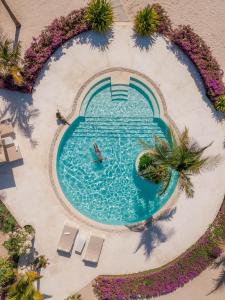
[186, 185]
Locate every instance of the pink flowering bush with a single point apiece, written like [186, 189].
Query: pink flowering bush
[167, 279]
[51, 38]
[165, 25]
[201, 55]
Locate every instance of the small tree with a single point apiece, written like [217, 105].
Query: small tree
[40, 262]
[100, 15]
[182, 155]
[23, 288]
[10, 58]
[146, 21]
[7, 274]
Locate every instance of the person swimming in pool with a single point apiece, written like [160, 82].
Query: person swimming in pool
[98, 153]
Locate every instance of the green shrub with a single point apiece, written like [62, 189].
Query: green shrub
[7, 221]
[147, 21]
[99, 15]
[152, 171]
[7, 274]
[220, 103]
[19, 243]
[74, 297]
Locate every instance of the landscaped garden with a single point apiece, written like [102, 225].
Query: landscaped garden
[160, 157]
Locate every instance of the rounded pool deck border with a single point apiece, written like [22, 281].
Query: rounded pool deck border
[71, 117]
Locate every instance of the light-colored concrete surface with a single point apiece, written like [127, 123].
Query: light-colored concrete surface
[32, 199]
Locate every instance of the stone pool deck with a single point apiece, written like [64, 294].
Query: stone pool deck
[29, 192]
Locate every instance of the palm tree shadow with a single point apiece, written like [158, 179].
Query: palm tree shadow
[19, 107]
[100, 41]
[185, 60]
[220, 281]
[143, 43]
[151, 232]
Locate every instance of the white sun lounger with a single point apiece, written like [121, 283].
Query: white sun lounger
[79, 243]
[67, 239]
[94, 249]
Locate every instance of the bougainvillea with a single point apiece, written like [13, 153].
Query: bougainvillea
[165, 25]
[60, 31]
[167, 279]
[201, 55]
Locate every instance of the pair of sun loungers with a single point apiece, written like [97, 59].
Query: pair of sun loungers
[9, 151]
[69, 236]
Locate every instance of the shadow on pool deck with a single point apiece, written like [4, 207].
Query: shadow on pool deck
[151, 233]
[220, 281]
[143, 43]
[100, 41]
[18, 107]
[185, 60]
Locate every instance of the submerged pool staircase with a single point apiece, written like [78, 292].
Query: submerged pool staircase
[119, 92]
[120, 127]
[137, 128]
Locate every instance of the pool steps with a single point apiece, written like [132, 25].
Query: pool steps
[118, 127]
[120, 92]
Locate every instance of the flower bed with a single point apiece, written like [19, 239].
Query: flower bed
[60, 31]
[170, 277]
[201, 55]
[41, 49]
[165, 25]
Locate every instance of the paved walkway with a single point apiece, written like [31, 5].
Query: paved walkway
[29, 192]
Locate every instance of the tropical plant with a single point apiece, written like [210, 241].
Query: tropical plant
[7, 221]
[23, 288]
[220, 103]
[40, 262]
[152, 171]
[19, 242]
[147, 21]
[74, 297]
[182, 155]
[10, 58]
[7, 274]
[100, 15]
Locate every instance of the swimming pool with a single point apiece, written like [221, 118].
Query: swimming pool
[116, 117]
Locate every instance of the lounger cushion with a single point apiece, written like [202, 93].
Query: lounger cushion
[67, 238]
[94, 249]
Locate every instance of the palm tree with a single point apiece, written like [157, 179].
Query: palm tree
[23, 288]
[182, 156]
[100, 15]
[10, 58]
[146, 21]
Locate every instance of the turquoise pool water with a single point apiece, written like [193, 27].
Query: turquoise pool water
[116, 117]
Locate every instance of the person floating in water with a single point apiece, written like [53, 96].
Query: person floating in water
[98, 153]
[60, 117]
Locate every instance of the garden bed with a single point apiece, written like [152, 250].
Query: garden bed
[167, 279]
